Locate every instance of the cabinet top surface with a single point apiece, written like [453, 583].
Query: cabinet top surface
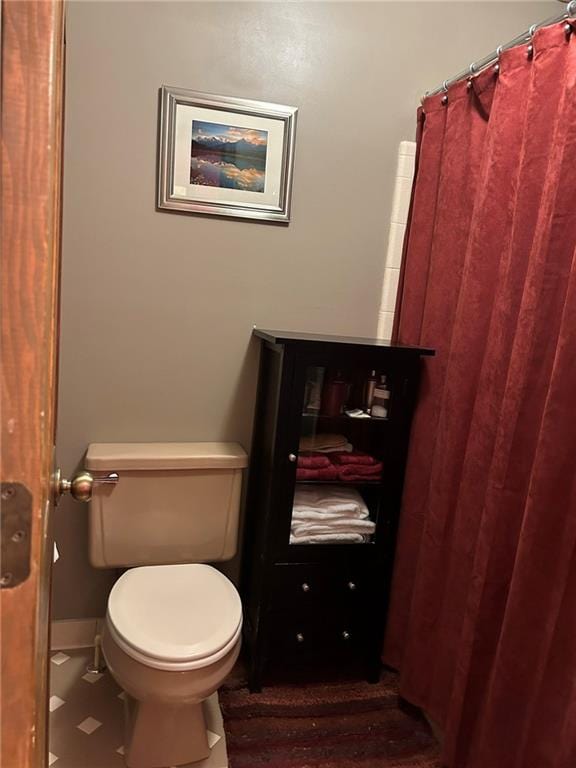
[293, 337]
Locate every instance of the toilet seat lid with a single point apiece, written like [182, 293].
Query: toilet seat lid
[175, 614]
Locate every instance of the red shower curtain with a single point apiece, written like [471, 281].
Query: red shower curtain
[482, 623]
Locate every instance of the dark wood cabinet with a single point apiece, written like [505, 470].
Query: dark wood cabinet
[315, 583]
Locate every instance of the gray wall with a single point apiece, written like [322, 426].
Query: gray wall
[157, 308]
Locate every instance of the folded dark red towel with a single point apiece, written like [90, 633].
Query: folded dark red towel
[322, 473]
[356, 471]
[313, 460]
[356, 457]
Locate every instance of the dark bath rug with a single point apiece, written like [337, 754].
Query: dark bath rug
[331, 725]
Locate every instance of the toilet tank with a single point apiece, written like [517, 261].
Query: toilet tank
[173, 502]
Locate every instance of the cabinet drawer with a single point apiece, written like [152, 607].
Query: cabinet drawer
[326, 634]
[301, 586]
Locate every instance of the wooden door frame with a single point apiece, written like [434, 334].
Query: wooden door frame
[32, 71]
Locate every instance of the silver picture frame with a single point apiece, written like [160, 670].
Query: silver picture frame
[211, 197]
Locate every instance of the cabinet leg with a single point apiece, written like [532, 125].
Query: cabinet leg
[254, 685]
[255, 671]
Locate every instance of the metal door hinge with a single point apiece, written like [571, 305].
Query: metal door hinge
[15, 527]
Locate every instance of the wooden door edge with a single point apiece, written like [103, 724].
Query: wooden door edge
[32, 92]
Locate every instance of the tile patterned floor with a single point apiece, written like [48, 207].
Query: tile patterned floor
[87, 718]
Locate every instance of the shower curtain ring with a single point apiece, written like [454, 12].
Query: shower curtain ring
[530, 49]
[498, 54]
[444, 99]
[472, 68]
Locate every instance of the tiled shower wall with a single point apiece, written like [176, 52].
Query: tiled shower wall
[399, 219]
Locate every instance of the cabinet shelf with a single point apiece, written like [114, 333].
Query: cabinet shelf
[344, 418]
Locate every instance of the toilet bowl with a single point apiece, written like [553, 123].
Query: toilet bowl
[172, 635]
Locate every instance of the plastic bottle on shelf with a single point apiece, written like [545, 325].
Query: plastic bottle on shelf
[369, 388]
[313, 393]
[334, 396]
[381, 400]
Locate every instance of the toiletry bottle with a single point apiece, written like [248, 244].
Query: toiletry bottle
[381, 400]
[369, 388]
[334, 396]
[313, 396]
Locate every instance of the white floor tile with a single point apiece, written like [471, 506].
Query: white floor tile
[59, 658]
[51, 758]
[89, 725]
[92, 677]
[213, 738]
[55, 702]
[103, 746]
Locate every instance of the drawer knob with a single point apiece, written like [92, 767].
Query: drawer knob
[300, 637]
[305, 587]
[346, 635]
[351, 586]
[292, 457]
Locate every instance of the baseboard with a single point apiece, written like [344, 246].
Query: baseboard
[74, 633]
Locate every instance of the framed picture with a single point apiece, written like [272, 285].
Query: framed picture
[225, 156]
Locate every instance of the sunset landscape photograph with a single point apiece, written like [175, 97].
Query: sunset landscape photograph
[227, 156]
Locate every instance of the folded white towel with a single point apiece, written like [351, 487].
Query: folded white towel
[328, 502]
[350, 511]
[365, 527]
[331, 538]
[326, 496]
[329, 514]
[311, 514]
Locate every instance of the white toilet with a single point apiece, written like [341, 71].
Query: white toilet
[173, 625]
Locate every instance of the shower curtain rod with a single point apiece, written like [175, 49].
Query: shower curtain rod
[491, 58]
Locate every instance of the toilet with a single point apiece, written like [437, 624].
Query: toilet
[173, 624]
